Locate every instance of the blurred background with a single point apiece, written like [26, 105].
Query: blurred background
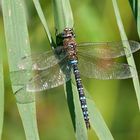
[116, 99]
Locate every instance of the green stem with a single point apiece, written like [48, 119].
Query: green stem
[138, 18]
[130, 59]
[18, 46]
[62, 15]
[64, 19]
[1, 89]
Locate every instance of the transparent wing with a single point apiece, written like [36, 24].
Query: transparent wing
[104, 69]
[36, 81]
[106, 50]
[43, 60]
[51, 78]
[24, 97]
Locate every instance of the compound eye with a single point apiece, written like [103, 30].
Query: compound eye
[66, 29]
[70, 46]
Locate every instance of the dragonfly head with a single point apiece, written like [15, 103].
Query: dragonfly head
[68, 32]
[68, 29]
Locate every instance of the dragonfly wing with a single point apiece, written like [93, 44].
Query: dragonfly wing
[52, 77]
[43, 60]
[106, 50]
[21, 77]
[104, 69]
[37, 81]
[23, 97]
[40, 80]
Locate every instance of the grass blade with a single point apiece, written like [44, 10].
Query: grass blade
[43, 20]
[62, 14]
[138, 18]
[28, 116]
[1, 84]
[134, 6]
[96, 120]
[130, 59]
[64, 18]
[17, 42]
[78, 121]
[98, 123]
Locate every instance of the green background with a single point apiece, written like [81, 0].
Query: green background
[116, 100]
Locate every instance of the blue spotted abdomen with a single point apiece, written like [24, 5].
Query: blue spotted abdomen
[82, 97]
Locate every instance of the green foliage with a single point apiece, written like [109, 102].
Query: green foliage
[93, 21]
[130, 59]
[135, 5]
[64, 19]
[1, 84]
[79, 125]
[138, 19]
[43, 20]
[97, 122]
[17, 41]
[63, 15]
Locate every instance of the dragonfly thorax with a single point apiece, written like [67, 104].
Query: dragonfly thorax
[70, 44]
[72, 53]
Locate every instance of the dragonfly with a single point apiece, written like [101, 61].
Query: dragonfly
[53, 68]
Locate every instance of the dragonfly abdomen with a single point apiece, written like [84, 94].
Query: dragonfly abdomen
[69, 45]
[82, 97]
